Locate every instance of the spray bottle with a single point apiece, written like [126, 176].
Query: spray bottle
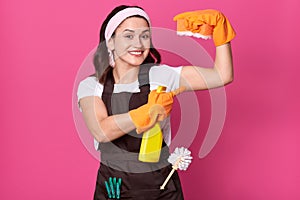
[152, 140]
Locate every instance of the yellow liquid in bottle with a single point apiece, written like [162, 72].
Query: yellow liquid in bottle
[152, 140]
[151, 145]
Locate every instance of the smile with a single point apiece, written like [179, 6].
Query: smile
[136, 53]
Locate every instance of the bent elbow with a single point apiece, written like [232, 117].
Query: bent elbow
[228, 79]
[99, 139]
[99, 136]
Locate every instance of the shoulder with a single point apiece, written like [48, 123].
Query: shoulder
[89, 87]
[165, 69]
[90, 81]
[165, 75]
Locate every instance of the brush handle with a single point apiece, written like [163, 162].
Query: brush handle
[167, 179]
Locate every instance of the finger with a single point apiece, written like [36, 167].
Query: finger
[154, 113]
[183, 15]
[161, 117]
[147, 127]
[206, 29]
[178, 90]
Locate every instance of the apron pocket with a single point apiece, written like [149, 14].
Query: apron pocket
[149, 194]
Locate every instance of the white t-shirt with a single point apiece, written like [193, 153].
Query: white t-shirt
[162, 75]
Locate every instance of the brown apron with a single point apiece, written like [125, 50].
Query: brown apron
[119, 158]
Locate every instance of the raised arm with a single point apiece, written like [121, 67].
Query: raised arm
[199, 78]
[206, 24]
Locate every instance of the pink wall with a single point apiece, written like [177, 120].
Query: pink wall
[43, 44]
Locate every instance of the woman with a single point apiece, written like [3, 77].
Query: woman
[115, 102]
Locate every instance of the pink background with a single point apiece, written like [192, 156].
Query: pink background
[43, 44]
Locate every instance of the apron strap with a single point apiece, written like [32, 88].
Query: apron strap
[144, 74]
[108, 89]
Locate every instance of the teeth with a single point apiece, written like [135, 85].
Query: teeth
[136, 52]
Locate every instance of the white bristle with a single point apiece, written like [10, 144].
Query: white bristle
[181, 158]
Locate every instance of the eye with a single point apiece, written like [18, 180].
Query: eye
[145, 36]
[129, 36]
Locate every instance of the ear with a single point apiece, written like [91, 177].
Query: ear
[111, 44]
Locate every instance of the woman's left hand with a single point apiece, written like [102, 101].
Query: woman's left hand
[205, 23]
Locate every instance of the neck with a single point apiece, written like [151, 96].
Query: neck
[125, 75]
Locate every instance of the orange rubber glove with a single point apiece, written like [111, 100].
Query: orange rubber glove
[204, 24]
[158, 108]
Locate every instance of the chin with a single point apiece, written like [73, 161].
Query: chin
[136, 62]
[133, 61]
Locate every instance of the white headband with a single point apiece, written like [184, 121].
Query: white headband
[116, 20]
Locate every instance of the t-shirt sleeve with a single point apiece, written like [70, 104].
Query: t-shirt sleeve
[89, 87]
[164, 75]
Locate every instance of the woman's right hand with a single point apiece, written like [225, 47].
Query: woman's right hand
[157, 109]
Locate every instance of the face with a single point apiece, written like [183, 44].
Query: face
[131, 42]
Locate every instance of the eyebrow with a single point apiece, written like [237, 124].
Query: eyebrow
[132, 31]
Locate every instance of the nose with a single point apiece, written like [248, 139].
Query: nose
[137, 42]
